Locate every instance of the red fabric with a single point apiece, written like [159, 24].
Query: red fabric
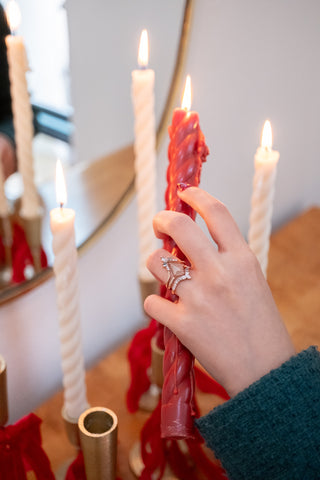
[21, 451]
[153, 447]
[207, 384]
[76, 470]
[21, 255]
[156, 453]
[139, 357]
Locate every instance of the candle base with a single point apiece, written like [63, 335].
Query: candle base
[71, 427]
[136, 464]
[98, 431]
[3, 393]
[32, 230]
[148, 287]
[6, 235]
[149, 400]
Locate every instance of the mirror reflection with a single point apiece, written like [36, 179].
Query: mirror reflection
[72, 52]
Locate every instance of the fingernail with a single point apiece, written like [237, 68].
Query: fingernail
[183, 186]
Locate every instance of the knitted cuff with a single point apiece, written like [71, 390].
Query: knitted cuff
[271, 430]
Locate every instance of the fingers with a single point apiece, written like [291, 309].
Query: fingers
[161, 309]
[220, 223]
[189, 237]
[159, 270]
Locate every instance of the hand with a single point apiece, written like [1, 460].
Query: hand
[225, 315]
[7, 156]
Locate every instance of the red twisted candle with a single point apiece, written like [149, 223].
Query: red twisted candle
[187, 150]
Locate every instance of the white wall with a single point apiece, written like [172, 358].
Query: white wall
[248, 60]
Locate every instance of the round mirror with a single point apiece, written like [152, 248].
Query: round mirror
[89, 50]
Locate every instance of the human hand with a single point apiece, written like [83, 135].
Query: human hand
[225, 314]
[7, 156]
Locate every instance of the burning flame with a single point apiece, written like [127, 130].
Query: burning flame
[266, 138]
[143, 56]
[13, 15]
[61, 189]
[186, 99]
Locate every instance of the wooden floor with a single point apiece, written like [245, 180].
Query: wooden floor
[294, 278]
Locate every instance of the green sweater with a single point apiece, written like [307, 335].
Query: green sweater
[271, 430]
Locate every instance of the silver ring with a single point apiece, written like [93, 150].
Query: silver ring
[177, 272]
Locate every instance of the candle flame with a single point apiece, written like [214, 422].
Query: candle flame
[61, 189]
[266, 138]
[143, 56]
[13, 15]
[186, 99]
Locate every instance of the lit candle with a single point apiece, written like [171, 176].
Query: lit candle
[187, 151]
[145, 154]
[22, 112]
[265, 161]
[66, 275]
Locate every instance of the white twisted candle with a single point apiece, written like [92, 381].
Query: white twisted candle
[23, 123]
[145, 160]
[266, 161]
[65, 269]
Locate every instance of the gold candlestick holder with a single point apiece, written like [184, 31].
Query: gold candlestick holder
[150, 399]
[3, 392]
[6, 234]
[147, 287]
[32, 229]
[71, 428]
[98, 431]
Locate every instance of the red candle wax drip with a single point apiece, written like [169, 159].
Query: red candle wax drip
[186, 152]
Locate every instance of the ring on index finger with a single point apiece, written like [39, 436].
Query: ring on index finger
[177, 272]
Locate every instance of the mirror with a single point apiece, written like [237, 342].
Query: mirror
[98, 162]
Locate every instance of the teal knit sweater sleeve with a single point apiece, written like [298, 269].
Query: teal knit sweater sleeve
[271, 430]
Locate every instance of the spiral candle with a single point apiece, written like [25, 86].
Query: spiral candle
[187, 150]
[266, 161]
[66, 275]
[145, 156]
[23, 123]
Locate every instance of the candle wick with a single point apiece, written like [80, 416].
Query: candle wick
[61, 206]
[143, 67]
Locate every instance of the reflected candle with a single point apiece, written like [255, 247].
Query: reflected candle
[22, 112]
[145, 154]
[265, 161]
[66, 279]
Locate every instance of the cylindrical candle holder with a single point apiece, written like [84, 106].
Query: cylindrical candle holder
[148, 287]
[98, 431]
[149, 400]
[3, 393]
[71, 427]
[32, 229]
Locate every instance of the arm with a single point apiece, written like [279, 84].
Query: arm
[227, 317]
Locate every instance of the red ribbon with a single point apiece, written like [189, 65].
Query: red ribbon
[21, 255]
[21, 451]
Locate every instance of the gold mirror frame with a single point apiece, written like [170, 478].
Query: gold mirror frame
[116, 205]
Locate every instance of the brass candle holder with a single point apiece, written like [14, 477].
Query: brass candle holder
[6, 235]
[98, 431]
[71, 427]
[147, 287]
[32, 229]
[3, 393]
